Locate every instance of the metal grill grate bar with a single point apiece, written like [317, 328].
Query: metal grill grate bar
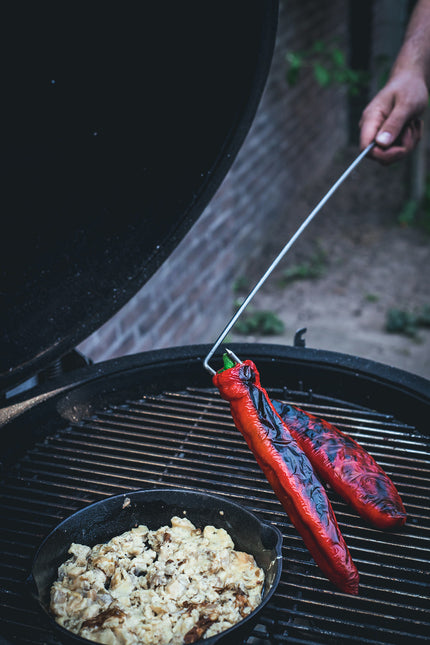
[188, 439]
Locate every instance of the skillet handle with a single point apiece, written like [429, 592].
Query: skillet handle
[31, 587]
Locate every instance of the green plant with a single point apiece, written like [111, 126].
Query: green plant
[399, 321]
[328, 62]
[259, 322]
[424, 316]
[307, 270]
[241, 285]
[408, 214]
[425, 219]
[417, 213]
[371, 297]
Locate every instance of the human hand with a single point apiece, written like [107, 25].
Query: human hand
[392, 118]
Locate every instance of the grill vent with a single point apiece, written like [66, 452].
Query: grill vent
[188, 439]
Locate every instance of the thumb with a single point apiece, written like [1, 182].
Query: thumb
[392, 126]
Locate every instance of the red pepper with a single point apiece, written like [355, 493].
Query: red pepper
[288, 471]
[346, 466]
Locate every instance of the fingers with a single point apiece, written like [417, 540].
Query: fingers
[402, 146]
[384, 119]
[392, 128]
[373, 118]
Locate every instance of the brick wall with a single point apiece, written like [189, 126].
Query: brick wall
[294, 136]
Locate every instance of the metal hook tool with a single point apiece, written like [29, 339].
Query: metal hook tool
[279, 257]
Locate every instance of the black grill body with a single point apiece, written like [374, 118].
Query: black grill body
[154, 420]
[119, 128]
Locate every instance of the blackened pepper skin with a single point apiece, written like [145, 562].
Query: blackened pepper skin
[289, 472]
[347, 467]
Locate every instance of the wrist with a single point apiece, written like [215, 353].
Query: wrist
[410, 72]
[408, 87]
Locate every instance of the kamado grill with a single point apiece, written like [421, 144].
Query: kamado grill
[92, 218]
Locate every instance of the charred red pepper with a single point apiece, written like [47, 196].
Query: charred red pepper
[346, 466]
[288, 471]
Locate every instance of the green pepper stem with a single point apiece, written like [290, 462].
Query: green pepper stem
[228, 363]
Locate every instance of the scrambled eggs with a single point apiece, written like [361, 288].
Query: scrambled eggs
[172, 586]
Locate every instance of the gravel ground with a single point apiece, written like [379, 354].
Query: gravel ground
[366, 265]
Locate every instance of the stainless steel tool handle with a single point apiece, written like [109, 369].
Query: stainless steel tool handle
[279, 257]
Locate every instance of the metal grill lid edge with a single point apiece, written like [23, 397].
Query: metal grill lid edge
[121, 124]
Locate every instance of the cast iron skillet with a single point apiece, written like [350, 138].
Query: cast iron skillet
[103, 520]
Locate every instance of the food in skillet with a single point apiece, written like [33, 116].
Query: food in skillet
[288, 471]
[346, 466]
[172, 586]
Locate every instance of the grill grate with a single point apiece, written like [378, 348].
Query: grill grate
[188, 439]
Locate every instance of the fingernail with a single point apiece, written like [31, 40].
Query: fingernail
[384, 138]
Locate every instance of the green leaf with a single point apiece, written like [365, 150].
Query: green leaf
[264, 323]
[401, 322]
[294, 59]
[322, 75]
[371, 297]
[295, 64]
[271, 325]
[408, 214]
[338, 57]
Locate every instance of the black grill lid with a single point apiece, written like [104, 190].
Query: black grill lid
[121, 123]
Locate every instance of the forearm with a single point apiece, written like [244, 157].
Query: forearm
[414, 55]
